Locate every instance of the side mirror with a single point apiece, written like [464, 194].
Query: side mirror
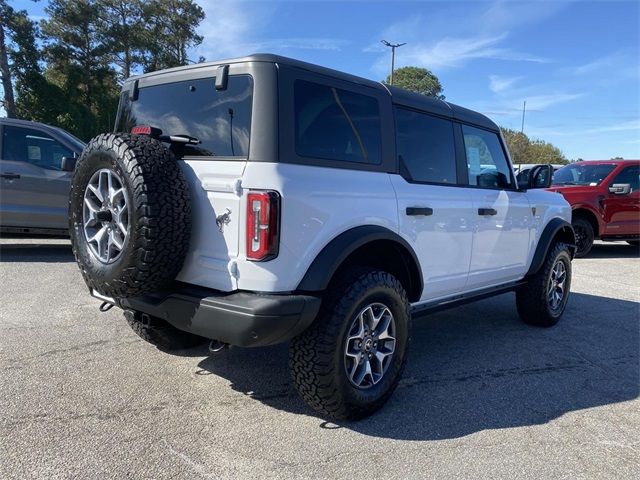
[620, 189]
[539, 176]
[68, 164]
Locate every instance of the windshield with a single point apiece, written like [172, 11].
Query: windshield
[582, 174]
[219, 119]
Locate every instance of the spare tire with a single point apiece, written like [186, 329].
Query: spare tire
[129, 215]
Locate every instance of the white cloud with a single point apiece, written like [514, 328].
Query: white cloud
[542, 102]
[233, 28]
[617, 127]
[451, 45]
[451, 52]
[498, 84]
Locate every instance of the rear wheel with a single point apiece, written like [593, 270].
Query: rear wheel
[541, 302]
[584, 236]
[348, 363]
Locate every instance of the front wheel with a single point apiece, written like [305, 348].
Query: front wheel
[348, 363]
[584, 236]
[541, 302]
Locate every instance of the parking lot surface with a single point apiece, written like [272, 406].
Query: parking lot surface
[483, 396]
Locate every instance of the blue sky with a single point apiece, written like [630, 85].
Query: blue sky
[576, 63]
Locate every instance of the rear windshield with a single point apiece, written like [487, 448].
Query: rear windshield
[220, 119]
[582, 174]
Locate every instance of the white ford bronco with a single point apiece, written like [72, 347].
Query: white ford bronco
[263, 200]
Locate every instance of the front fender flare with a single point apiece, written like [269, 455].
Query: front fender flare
[554, 227]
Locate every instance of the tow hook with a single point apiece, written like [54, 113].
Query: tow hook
[217, 346]
[105, 306]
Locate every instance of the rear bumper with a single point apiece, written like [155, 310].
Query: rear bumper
[245, 319]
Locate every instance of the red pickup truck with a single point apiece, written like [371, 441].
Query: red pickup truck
[605, 200]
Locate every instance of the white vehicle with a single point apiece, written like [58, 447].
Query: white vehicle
[263, 200]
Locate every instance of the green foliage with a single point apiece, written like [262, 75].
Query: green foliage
[419, 80]
[68, 72]
[525, 150]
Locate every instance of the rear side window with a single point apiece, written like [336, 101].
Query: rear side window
[32, 146]
[220, 119]
[425, 147]
[336, 124]
[487, 164]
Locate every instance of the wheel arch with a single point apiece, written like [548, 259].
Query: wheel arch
[556, 229]
[590, 216]
[366, 245]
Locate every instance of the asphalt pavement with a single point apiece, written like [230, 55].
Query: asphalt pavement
[483, 396]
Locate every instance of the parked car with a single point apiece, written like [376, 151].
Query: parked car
[35, 173]
[604, 198]
[260, 200]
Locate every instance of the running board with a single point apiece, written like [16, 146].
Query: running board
[457, 300]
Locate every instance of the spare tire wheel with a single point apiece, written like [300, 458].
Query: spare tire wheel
[129, 215]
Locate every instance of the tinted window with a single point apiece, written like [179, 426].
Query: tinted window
[336, 124]
[488, 167]
[220, 119]
[32, 146]
[583, 174]
[630, 175]
[425, 147]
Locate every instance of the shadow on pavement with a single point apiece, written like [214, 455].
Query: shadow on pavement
[36, 252]
[613, 250]
[476, 368]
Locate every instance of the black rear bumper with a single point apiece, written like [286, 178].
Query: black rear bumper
[245, 319]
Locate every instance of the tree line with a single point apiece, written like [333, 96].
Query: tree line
[67, 70]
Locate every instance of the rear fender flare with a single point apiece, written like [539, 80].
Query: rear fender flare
[332, 256]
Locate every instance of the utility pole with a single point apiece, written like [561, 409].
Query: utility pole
[393, 55]
[524, 107]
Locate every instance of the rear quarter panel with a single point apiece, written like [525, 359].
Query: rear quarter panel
[318, 204]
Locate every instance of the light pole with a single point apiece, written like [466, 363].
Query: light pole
[393, 55]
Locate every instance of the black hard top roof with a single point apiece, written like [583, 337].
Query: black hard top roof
[398, 95]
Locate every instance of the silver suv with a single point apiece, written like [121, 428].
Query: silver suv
[35, 165]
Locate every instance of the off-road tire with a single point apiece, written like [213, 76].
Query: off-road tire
[532, 299]
[316, 357]
[160, 333]
[159, 215]
[584, 236]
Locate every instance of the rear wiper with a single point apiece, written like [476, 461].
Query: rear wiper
[179, 139]
[156, 133]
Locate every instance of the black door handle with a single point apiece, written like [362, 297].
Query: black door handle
[10, 176]
[426, 211]
[487, 211]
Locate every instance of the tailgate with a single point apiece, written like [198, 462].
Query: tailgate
[215, 194]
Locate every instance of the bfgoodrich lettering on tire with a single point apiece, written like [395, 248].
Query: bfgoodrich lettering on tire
[348, 363]
[129, 215]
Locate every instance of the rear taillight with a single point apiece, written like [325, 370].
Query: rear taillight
[263, 225]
